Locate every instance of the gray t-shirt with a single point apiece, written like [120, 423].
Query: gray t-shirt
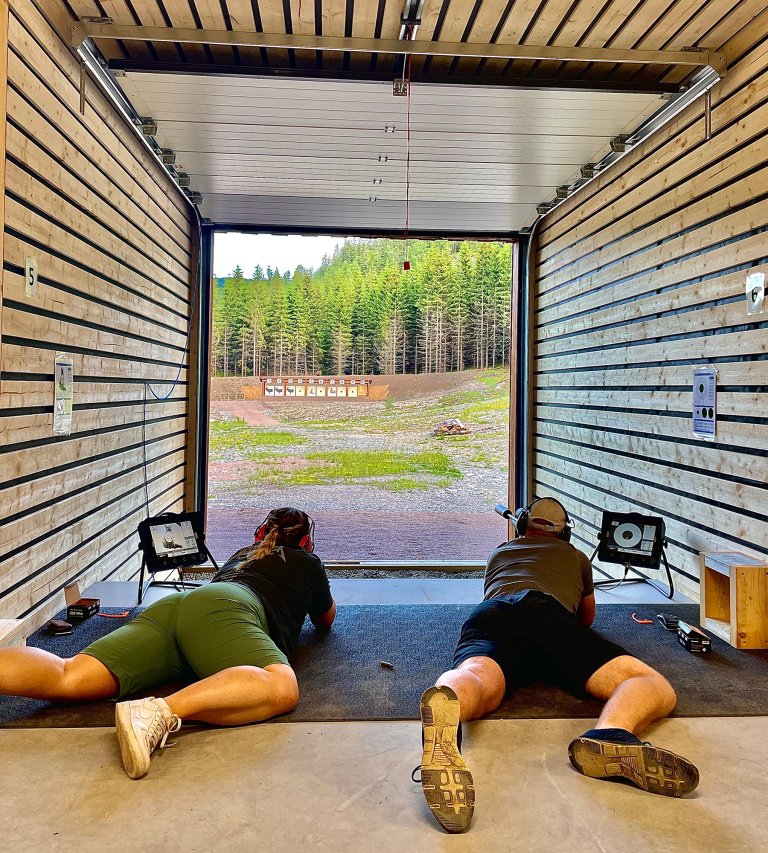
[542, 564]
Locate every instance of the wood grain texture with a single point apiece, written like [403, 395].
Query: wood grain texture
[639, 279]
[115, 246]
[3, 112]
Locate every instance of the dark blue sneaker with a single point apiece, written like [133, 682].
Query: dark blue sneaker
[445, 778]
[656, 770]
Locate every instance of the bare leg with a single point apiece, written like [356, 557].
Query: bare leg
[479, 684]
[635, 694]
[238, 695]
[38, 674]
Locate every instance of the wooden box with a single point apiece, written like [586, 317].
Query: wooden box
[734, 599]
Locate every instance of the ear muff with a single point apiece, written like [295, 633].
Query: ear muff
[523, 515]
[521, 520]
[307, 541]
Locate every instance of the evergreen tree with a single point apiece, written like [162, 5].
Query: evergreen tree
[360, 312]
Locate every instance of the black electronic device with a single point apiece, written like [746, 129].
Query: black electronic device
[635, 541]
[693, 639]
[668, 620]
[83, 608]
[628, 537]
[172, 541]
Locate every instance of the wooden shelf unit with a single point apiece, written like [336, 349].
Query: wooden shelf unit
[734, 599]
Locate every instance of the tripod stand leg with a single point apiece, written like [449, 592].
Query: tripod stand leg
[671, 591]
[141, 579]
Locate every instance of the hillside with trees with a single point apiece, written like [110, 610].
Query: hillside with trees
[361, 313]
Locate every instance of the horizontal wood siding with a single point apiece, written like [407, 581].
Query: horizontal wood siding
[113, 240]
[639, 278]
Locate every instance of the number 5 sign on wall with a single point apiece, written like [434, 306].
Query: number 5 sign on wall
[30, 269]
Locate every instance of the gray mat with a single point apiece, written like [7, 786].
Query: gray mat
[341, 677]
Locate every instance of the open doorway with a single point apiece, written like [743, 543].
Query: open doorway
[373, 397]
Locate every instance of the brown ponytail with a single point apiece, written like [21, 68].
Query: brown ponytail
[268, 544]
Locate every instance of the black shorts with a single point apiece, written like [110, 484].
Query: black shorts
[532, 637]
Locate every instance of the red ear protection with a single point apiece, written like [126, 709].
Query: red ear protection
[306, 543]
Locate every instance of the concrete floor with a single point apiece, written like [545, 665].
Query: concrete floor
[346, 786]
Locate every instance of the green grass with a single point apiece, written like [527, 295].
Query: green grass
[387, 469]
[408, 415]
[496, 404]
[492, 379]
[237, 435]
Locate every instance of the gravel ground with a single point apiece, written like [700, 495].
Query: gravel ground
[450, 521]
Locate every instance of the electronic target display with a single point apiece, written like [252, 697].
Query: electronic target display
[631, 538]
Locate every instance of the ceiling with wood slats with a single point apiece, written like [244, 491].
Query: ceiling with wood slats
[620, 24]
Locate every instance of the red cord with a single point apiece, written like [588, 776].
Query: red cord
[408, 156]
[641, 621]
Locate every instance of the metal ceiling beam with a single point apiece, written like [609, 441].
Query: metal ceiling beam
[696, 58]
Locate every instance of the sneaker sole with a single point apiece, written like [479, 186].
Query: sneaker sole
[133, 761]
[445, 779]
[655, 770]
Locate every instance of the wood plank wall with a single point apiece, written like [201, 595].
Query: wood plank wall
[640, 277]
[113, 240]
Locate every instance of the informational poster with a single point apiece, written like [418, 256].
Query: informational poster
[62, 395]
[705, 402]
[756, 293]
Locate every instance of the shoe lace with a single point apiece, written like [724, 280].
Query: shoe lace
[160, 729]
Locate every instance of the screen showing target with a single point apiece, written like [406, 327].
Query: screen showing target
[631, 538]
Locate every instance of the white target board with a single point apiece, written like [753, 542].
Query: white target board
[704, 422]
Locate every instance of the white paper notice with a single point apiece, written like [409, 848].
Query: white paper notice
[62, 395]
[705, 402]
[756, 293]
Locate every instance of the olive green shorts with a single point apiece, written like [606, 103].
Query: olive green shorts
[187, 636]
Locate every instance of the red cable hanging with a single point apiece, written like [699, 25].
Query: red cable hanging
[406, 262]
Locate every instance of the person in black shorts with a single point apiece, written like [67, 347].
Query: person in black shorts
[228, 642]
[533, 625]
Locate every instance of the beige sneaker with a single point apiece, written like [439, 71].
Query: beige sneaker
[445, 778]
[142, 725]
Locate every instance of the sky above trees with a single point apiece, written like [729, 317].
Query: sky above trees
[279, 251]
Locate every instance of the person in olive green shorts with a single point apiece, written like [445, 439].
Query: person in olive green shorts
[228, 641]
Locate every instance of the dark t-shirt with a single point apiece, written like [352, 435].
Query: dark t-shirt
[543, 564]
[290, 583]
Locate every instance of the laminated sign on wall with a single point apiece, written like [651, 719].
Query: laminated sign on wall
[756, 293]
[705, 402]
[62, 395]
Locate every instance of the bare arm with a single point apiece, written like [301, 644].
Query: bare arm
[586, 612]
[325, 620]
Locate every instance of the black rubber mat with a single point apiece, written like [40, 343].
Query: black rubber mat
[341, 676]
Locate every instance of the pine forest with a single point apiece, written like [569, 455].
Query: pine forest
[360, 312]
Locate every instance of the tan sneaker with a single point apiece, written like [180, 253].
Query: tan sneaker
[656, 770]
[445, 777]
[142, 725]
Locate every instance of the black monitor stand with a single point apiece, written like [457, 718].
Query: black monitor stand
[611, 583]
